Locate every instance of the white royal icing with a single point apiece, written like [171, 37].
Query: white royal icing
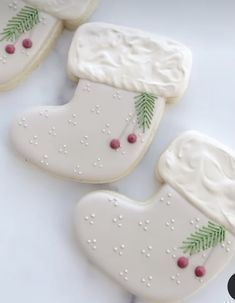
[13, 65]
[138, 244]
[62, 9]
[203, 170]
[74, 140]
[130, 59]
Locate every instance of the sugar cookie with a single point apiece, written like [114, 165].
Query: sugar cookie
[167, 248]
[126, 77]
[27, 34]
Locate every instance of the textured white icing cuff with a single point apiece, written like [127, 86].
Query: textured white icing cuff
[130, 59]
[62, 9]
[204, 172]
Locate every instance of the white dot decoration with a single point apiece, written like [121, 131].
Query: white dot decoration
[13, 5]
[204, 255]
[117, 95]
[144, 224]
[87, 88]
[146, 281]
[44, 113]
[96, 109]
[119, 249]
[3, 59]
[84, 141]
[92, 244]
[23, 123]
[106, 129]
[130, 118]
[63, 149]
[170, 224]
[42, 20]
[146, 252]
[73, 121]
[25, 52]
[90, 218]
[167, 199]
[172, 252]
[44, 160]
[176, 279]
[98, 163]
[195, 222]
[52, 131]
[34, 140]
[124, 274]
[113, 201]
[118, 221]
[77, 170]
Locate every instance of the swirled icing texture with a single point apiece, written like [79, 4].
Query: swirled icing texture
[62, 9]
[204, 171]
[130, 59]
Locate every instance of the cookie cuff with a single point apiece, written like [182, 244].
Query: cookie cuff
[203, 171]
[69, 10]
[130, 59]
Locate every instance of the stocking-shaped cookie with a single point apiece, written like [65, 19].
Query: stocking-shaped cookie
[29, 29]
[167, 248]
[126, 76]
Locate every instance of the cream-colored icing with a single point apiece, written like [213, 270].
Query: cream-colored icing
[203, 170]
[62, 9]
[74, 140]
[130, 59]
[12, 66]
[138, 244]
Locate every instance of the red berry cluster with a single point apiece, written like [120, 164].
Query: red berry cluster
[115, 143]
[199, 271]
[10, 48]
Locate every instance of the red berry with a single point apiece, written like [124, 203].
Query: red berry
[115, 144]
[200, 271]
[27, 43]
[182, 262]
[132, 138]
[10, 49]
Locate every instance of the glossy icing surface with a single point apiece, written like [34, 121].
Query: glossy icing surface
[12, 65]
[74, 140]
[62, 9]
[138, 244]
[203, 170]
[130, 59]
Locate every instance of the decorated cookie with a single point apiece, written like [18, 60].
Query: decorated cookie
[29, 29]
[170, 246]
[126, 77]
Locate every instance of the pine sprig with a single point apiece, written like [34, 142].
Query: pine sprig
[145, 106]
[205, 238]
[23, 22]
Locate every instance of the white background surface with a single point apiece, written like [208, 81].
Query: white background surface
[39, 257]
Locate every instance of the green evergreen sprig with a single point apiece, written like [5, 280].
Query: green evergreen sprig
[206, 237]
[145, 106]
[23, 22]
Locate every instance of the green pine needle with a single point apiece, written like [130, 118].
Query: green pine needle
[145, 106]
[205, 238]
[23, 22]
